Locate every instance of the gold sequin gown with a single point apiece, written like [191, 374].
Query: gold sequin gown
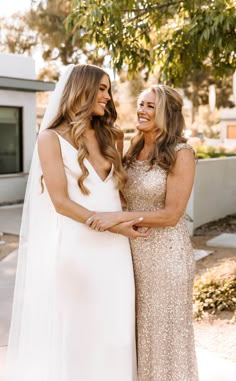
[164, 270]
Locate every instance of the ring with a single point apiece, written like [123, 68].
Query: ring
[96, 228]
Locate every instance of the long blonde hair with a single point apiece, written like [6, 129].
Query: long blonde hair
[76, 106]
[170, 124]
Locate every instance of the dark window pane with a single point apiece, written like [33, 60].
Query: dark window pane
[10, 140]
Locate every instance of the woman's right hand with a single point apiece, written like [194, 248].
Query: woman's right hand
[129, 229]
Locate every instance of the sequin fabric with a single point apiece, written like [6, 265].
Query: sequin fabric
[164, 270]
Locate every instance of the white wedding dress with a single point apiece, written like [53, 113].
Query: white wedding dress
[79, 324]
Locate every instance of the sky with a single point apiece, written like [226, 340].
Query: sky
[8, 7]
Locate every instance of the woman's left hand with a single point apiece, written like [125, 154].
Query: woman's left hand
[102, 221]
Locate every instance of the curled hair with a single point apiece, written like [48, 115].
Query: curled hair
[170, 125]
[76, 107]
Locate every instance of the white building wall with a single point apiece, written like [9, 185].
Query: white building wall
[214, 191]
[12, 186]
[17, 66]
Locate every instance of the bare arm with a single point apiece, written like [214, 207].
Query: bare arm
[179, 186]
[55, 178]
[56, 183]
[128, 229]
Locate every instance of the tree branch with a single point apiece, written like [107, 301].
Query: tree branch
[145, 11]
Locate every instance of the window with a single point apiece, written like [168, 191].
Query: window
[231, 131]
[10, 140]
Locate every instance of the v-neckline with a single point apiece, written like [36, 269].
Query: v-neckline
[96, 173]
[92, 167]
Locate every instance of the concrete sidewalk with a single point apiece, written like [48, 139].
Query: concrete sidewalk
[7, 281]
[212, 367]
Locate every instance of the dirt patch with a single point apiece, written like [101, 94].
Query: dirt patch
[216, 333]
[222, 261]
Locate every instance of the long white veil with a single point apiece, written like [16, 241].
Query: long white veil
[35, 321]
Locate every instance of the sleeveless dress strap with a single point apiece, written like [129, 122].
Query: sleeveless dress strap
[55, 132]
[180, 146]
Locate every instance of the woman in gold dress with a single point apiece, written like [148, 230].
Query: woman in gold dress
[160, 168]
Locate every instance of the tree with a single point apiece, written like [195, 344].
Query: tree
[15, 35]
[47, 18]
[43, 28]
[196, 88]
[180, 37]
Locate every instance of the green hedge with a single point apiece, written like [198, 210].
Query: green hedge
[203, 155]
[209, 152]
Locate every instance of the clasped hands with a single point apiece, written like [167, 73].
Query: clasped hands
[114, 222]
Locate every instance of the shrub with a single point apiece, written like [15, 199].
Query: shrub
[212, 294]
[208, 152]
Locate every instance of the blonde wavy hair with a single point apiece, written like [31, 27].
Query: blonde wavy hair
[170, 125]
[76, 107]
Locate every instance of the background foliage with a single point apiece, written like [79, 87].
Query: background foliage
[176, 37]
[212, 294]
[190, 43]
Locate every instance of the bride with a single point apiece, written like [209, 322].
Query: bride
[73, 312]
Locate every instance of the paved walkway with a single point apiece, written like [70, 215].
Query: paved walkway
[7, 280]
[212, 367]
